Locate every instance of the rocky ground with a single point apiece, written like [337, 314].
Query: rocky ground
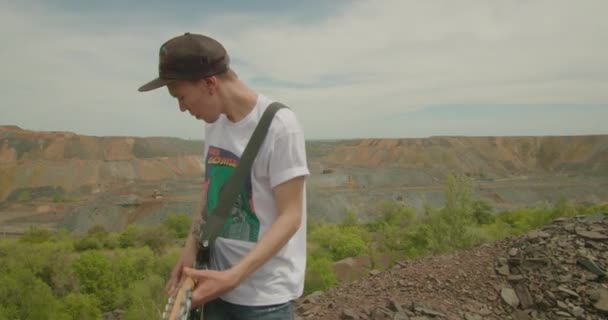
[558, 272]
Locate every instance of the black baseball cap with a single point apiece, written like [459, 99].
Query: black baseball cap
[188, 57]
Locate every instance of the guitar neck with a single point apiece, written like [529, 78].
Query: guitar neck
[187, 285]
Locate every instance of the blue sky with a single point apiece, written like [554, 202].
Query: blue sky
[350, 69]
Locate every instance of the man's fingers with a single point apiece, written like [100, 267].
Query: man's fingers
[194, 273]
[200, 295]
[170, 287]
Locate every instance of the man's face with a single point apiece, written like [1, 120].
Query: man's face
[196, 98]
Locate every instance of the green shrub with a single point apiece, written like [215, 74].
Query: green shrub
[145, 298]
[350, 219]
[320, 274]
[132, 264]
[482, 212]
[179, 224]
[96, 277]
[81, 306]
[158, 238]
[130, 236]
[88, 243]
[341, 242]
[36, 235]
[24, 296]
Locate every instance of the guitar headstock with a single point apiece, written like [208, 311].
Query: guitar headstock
[178, 306]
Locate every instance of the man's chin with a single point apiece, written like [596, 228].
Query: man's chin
[207, 120]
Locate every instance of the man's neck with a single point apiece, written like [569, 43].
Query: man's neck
[240, 100]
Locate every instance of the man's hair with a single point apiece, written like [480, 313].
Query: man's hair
[229, 74]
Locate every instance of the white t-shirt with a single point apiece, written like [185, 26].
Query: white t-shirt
[281, 157]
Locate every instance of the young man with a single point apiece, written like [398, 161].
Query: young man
[257, 263]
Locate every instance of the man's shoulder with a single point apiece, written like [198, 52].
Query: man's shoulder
[285, 120]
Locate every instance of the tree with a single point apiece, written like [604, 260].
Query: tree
[36, 235]
[145, 298]
[96, 277]
[320, 274]
[564, 208]
[81, 306]
[482, 212]
[350, 219]
[24, 296]
[179, 224]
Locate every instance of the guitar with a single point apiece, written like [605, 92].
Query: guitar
[178, 307]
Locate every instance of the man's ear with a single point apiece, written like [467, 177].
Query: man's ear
[211, 84]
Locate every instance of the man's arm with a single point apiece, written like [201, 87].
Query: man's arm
[188, 255]
[288, 198]
[195, 228]
[211, 283]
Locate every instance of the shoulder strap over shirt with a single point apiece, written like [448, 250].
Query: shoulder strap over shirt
[215, 220]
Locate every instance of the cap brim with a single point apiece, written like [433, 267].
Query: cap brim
[154, 84]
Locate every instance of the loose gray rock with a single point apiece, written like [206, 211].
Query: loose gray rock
[509, 296]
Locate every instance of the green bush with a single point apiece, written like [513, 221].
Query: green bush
[81, 306]
[350, 219]
[88, 243]
[592, 208]
[341, 241]
[132, 264]
[111, 241]
[179, 224]
[36, 235]
[164, 264]
[396, 214]
[145, 298]
[24, 296]
[320, 274]
[96, 277]
[564, 208]
[97, 238]
[129, 237]
[158, 238]
[482, 212]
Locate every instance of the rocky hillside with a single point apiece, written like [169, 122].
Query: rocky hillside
[70, 162]
[479, 156]
[63, 179]
[507, 172]
[558, 272]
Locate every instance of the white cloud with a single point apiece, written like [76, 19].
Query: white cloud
[388, 57]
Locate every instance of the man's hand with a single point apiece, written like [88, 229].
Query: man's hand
[176, 274]
[210, 284]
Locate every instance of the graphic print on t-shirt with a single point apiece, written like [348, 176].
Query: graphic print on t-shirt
[242, 222]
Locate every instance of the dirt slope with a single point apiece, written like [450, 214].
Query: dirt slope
[82, 177]
[30, 159]
[555, 273]
[489, 156]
